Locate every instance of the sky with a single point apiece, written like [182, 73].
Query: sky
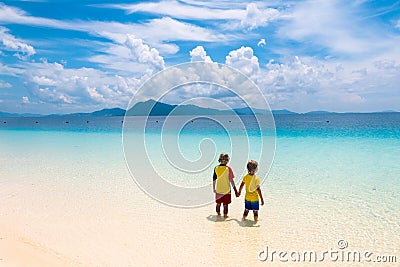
[79, 56]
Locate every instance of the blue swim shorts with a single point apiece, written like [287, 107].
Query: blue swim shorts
[249, 205]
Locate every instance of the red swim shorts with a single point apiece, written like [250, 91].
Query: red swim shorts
[223, 199]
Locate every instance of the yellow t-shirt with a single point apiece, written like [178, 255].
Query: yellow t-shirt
[222, 174]
[252, 182]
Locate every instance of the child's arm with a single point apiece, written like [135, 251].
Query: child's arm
[234, 187]
[214, 181]
[260, 194]
[240, 188]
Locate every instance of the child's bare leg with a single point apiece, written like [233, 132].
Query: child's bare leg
[218, 208]
[255, 215]
[225, 210]
[245, 213]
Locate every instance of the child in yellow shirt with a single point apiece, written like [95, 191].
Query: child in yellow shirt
[253, 191]
[222, 182]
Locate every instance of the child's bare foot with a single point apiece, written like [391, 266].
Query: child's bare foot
[219, 213]
[226, 216]
[243, 218]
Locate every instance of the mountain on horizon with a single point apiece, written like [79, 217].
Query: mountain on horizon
[18, 115]
[283, 112]
[106, 112]
[389, 111]
[319, 112]
[155, 108]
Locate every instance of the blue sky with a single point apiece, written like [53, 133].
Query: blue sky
[70, 56]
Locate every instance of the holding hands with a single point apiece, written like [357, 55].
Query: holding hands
[237, 194]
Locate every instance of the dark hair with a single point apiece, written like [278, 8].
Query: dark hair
[252, 165]
[223, 156]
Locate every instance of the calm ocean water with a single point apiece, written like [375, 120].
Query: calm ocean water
[334, 154]
[372, 125]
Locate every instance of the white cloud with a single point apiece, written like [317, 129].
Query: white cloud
[297, 83]
[52, 83]
[387, 65]
[144, 54]
[255, 17]
[244, 60]
[4, 84]
[307, 83]
[352, 98]
[15, 15]
[170, 29]
[294, 75]
[22, 49]
[131, 58]
[335, 26]
[25, 100]
[303, 84]
[249, 16]
[199, 54]
[180, 10]
[42, 80]
[10, 70]
[156, 32]
[218, 4]
[200, 79]
[262, 42]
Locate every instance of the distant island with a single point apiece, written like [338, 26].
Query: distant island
[154, 108]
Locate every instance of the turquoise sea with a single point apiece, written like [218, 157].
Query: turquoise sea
[344, 154]
[352, 150]
[334, 175]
